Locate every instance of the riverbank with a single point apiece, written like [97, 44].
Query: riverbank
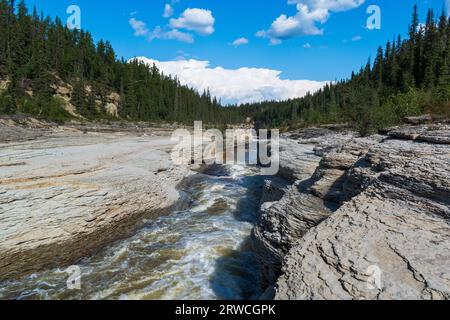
[66, 192]
[363, 218]
[198, 251]
[347, 218]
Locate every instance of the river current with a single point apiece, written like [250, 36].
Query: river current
[200, 252]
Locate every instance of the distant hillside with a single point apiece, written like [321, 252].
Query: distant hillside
[55, 73]
[408, 77]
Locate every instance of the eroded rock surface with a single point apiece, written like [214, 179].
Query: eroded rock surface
[390, 223]
[386, 228]
[297, 161]
[64, 197]
[435, 134]
[276, 231]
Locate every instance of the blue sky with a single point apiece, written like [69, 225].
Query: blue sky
[304, 53]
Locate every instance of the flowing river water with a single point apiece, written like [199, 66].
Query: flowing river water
[199, 252]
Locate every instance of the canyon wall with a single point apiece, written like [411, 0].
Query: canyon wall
[356, 208]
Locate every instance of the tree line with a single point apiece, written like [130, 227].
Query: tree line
[408, 77]
[37, 52]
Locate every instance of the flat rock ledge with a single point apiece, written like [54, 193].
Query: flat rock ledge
[372, 221]
[65, 197]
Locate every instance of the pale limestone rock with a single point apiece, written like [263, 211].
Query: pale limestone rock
[280, 224]
[405, 237]
[112, 104]
[328, 184]
[4, 84]
[394, 215]
[396, 219]
[330, 178]
[287, 212]
[66, 197]
[112, 109]
[437, 134]
[297, 161]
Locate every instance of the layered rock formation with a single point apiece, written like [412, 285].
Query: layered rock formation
[388, 236]
[276, 231]
[65, 196]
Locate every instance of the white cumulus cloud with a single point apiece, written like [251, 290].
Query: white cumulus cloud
[198, 20]
[310, 13]
[141, 30]
[139, 27]
[232, 86]
[331, 5]
[240, 42]
[168, 11]
[174, 34]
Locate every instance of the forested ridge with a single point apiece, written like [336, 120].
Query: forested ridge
[407, 77]
[37, 53]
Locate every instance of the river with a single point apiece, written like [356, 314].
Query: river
[199, 252]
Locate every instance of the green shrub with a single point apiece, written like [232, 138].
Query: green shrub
[48, 109]
[54, 110]
[6, 104]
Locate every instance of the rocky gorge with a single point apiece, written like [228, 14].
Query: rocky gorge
[108, 202]
[347, 217]
[354, 207]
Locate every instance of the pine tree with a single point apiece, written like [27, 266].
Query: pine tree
[395, 68]
[4, 36]
[414, 46]
[78, 98]
[430, 52]
[387, 66]
[377, 72]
